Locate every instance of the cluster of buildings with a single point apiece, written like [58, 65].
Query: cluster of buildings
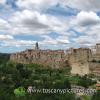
[82, 60]
[51, 58]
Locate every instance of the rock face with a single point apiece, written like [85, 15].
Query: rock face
[97, 48]
[82, 60]
[94, 68]
[80, 69]
[52, 58]
[80, 55]
[79, 59]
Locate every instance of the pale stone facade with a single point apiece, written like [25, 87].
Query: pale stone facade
[84, 61]
[53, 58]
[98, 48]
[78, 59]
[81, 69]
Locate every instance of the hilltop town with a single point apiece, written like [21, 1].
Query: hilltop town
[81, 60]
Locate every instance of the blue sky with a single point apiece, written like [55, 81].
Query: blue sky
[55, 24]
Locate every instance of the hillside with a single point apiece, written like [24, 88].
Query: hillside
[4, 57]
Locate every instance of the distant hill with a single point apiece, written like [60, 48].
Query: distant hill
[4, 57]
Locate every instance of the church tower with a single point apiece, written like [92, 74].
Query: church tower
[36, 46]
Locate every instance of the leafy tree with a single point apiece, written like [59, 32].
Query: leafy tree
[85, 81]
[96, 96]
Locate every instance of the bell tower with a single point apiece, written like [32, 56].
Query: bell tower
[36, 46]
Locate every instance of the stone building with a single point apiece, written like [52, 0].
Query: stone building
[80, 55]
[80, 60]
[98, 48]
[37, 46]
[52, 58]
[84, 61]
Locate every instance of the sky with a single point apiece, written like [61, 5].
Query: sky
[54, 24]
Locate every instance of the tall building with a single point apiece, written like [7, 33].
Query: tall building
[36, 46]
[98, 48]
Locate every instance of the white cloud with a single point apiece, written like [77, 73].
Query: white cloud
[48, 40]
[4, 25]
[18, 43]
[32, 22]
[90, 36]
[10, 41]
[87, 18]
[85, 21]
[35, 23]
[36, 4]
[2, 1]
[63, 40]
[87, 40]
[57, 41]
[84, 40]
[87, 5]
[5, 37]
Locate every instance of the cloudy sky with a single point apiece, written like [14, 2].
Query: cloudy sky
[55, 24]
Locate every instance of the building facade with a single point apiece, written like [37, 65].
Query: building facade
[80, 60]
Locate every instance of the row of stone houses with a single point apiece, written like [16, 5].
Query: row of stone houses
[52, 58]
[82, 60]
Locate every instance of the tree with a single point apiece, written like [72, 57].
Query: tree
[67, 84]
[96, 96]
[85, 81]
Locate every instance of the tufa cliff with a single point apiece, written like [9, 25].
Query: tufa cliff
[82, 60]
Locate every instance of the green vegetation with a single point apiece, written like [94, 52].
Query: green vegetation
[86, 82]
[19, 92]
[4, 58]
[85, 97]
[16, 78]
[96, 96]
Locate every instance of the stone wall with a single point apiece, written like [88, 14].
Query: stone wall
[94, 68]
[81, 55]
[81, 69]
[79, 59]
[52, 58]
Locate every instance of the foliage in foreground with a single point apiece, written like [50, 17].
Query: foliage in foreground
[13, 76]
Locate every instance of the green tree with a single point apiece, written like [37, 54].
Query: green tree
[96, 96]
